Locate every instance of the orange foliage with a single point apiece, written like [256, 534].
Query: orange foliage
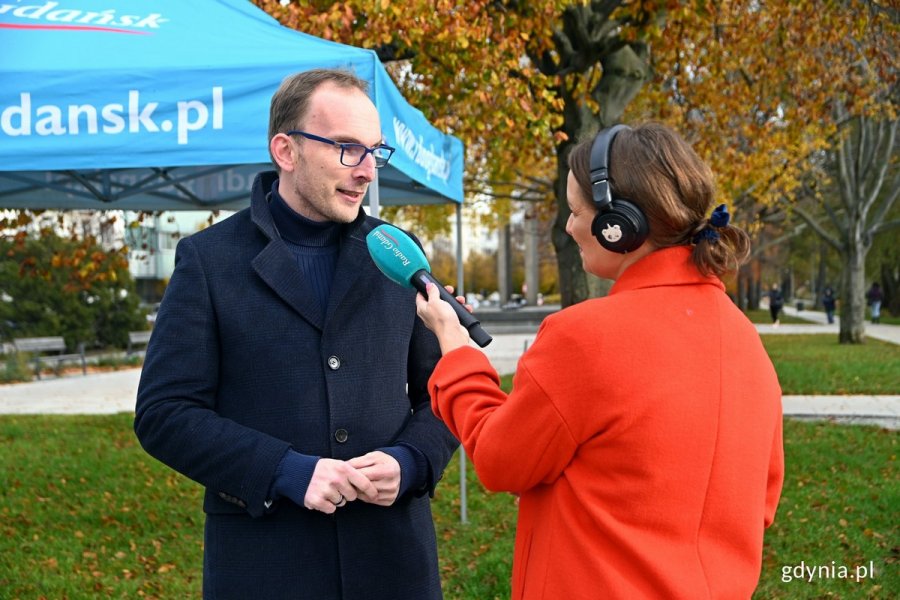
[756, 85]
[752, 84]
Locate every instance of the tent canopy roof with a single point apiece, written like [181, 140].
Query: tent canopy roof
[163, 104]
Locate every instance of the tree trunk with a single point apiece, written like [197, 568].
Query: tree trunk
[504, 264]
[743, 281]
[572, 279]
[624, 72]
[532, 271]
[755, 291]
[822, 272]
[853, 293]
[890, 285]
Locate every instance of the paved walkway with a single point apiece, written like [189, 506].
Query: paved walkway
[112, 392]
[819, 324]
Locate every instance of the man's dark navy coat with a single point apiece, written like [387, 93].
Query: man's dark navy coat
[243, 365]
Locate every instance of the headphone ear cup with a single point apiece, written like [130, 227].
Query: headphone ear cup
[621, 228]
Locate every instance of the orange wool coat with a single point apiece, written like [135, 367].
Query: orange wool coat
[643, 434]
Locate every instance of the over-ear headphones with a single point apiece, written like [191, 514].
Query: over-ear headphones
[619, 226]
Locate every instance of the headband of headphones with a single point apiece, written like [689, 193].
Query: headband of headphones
[600, 151]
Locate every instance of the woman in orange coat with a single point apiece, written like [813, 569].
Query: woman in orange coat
[643, 430]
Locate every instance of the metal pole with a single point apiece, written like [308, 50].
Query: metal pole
[460, 291]
[374, 206]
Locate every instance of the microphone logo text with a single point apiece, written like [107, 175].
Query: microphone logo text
[389, 243]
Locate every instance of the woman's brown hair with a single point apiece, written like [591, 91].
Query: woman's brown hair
[657, 170]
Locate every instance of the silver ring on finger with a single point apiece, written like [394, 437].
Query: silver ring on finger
[340, 501]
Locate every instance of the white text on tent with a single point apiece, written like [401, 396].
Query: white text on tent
[110, 119]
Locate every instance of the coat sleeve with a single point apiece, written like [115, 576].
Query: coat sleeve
[424, 431]
[515, 442]
[175, 416]
[776, 475]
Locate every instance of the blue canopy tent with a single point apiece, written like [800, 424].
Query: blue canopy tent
[163, 105]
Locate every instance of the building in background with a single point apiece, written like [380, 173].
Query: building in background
[152, 239]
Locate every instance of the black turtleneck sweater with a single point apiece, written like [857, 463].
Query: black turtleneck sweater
[314, 244]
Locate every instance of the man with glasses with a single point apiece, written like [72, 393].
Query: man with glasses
[288, 376]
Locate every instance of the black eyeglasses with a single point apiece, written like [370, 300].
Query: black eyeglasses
[353, 154]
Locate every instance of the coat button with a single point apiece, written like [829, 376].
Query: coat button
[334, 363]
[341, 435]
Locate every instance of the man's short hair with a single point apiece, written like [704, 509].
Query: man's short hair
[290, 103]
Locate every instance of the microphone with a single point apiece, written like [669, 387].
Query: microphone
[404, 263]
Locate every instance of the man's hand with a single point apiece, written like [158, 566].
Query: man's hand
[383, 471]
[334, 483]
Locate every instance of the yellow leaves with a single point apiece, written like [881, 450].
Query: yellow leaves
[756, 84]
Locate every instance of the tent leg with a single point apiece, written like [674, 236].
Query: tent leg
[374, 197]
[460, 290]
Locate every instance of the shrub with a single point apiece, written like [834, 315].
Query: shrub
[50, 285]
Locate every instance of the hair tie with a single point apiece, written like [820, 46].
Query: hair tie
[720, 216]
[707, 233]
[717, 220]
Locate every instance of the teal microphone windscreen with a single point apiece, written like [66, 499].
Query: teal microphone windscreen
[396, 254]
[402, 261]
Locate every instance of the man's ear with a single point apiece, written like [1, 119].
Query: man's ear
[283, 150]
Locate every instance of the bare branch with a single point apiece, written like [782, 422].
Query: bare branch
[761, 248]
[885, 226]
[885, 143]
[845, 167]
[887, 204]
[817, 227]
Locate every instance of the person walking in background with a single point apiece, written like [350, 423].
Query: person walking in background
[874, 297]
[828, 303]
[288, 376]
[643, 430]
[776, 303]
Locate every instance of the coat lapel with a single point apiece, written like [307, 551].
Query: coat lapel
[279, 270]
[347, 274]
[275, 265]
[351, 265]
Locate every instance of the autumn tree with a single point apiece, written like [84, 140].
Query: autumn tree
[519, 82]
[884, 265]
[866, 184]
[799, 78]
[481, 271]
[752, 85]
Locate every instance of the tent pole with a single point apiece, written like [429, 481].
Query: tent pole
[460, 291]
[374, 199]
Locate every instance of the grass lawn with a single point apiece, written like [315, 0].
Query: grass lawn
[817, 364]
[761, 316]
[86, 514]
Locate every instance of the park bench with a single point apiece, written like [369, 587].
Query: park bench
[40, 346]
[137, 338]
